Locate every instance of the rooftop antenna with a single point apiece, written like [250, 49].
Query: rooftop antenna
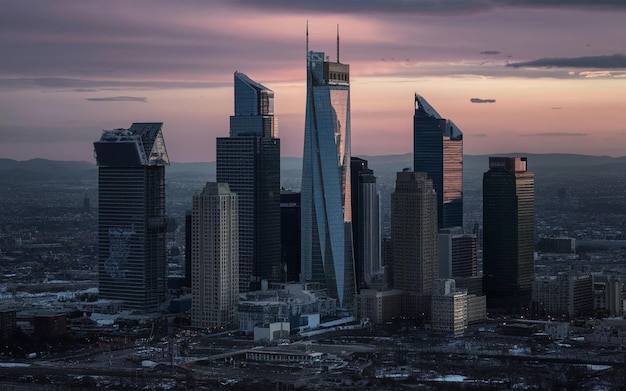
[337, 42]
[307, 40]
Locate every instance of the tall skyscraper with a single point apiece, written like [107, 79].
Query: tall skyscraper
[438, 151]
[326, 202]
[414, 241]
[131, 215]
[508, 233]
[365, 222]
[215, 258]
[249, 161]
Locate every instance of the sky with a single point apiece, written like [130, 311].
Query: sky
[525, 76]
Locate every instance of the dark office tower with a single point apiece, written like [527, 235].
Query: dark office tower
[131, 215]
[438, 151]
[290, 234]
[508, 234]
[326, 202]
[249, 161]
[414, 241]
[365, 222]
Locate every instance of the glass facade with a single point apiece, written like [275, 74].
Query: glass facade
[326, 193]
[249, 161]
[508, 233]
[438, 151]
[131, 216]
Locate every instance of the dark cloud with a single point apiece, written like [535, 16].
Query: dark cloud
[426, 6]
[603, 62]
[490, 52]
[556, 134]
[120, 99]
[479, 100]
[84, 85]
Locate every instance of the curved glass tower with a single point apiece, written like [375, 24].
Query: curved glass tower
[326, 207]
[438, 151]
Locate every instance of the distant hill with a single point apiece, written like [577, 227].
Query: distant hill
[542, 164]
[43, 169]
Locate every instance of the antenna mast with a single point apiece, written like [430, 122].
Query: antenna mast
[337, 42]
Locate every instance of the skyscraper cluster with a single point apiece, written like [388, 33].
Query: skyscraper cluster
[331, 234]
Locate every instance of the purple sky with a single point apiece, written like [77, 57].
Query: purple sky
[516, 76]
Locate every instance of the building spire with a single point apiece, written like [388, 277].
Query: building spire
[337, 42]
[307, 40]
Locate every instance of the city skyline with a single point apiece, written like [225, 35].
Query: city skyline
[75, 69]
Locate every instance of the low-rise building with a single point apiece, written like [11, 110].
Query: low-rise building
[379, 306]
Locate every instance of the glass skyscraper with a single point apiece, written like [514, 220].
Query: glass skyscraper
[249, 161]
[438, 151]
[508, 233]
[131, 215]
[326, 202]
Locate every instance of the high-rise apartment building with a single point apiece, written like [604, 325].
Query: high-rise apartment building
[131, 215]
[365, 222]
[508, 233]
[326, 202]
[414, 241]
[215, 258]
[249, 161]
[438, 151]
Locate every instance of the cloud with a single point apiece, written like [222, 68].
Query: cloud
[478, 135]
[426, 6]
[490, 52]
[556, 108]
[479, 100]
[604, 62]
[84, 85]
[556, 134]
[120, 99]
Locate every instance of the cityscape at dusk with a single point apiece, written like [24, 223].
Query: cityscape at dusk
[313, 195]
[517, 76]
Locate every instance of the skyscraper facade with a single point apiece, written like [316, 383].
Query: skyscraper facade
[326, 201]
[508, 233]
[131, 215]
[290, 234]
[457, 253]
[365, 222]
[249, 161]
[438, 151]
[215, 258]
[414, 241]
